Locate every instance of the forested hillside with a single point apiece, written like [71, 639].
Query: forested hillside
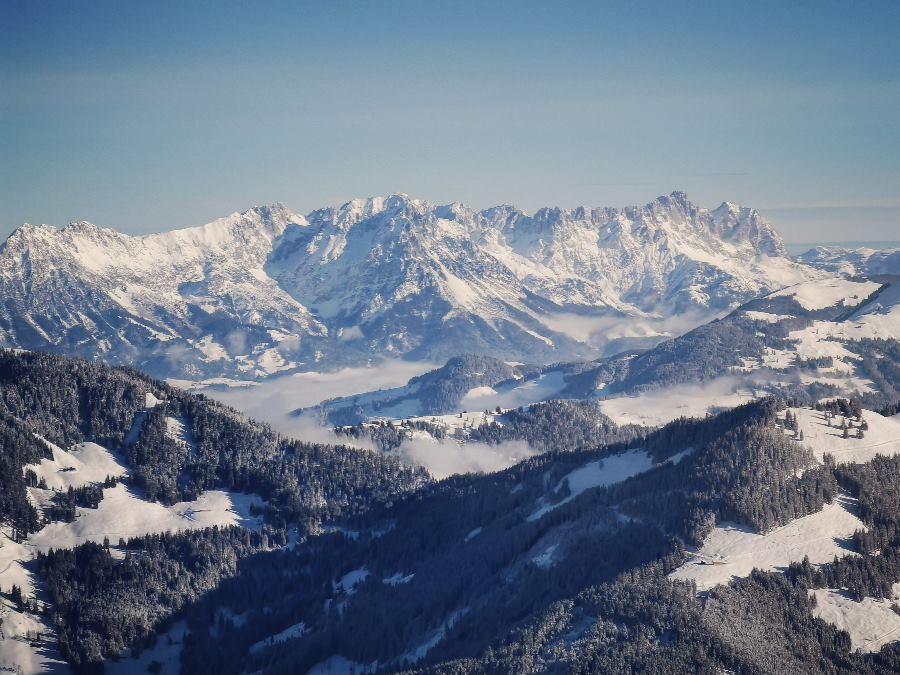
[478, 567]
[551, 426]
[166, 446]
[68, 401]
[578, 559]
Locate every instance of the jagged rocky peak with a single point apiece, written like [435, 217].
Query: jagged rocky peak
[735, 223]
[25, 233]
[268, 220]
[402, 276]
[674, 203]
[728, 223]
[355, 211]
[82, 227]
[672, 214]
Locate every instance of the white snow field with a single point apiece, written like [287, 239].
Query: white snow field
[17, 652]
[881, 438]
[733, 551]
[613, 469]
[86, 463]
[347, 582]
[121, 513]
[828, 292]
[288, 633]
[871, 623]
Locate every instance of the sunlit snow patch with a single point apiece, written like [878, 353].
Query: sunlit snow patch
[86, 463]
[288, 633]
[823, 293]
[603, 472]
[871, 623]
[733, 551]
[122, 513]
[881, 438]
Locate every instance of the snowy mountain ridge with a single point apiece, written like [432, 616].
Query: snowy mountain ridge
[268, 290]
[852, 261]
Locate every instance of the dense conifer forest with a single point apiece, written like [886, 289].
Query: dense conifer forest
[506, 572]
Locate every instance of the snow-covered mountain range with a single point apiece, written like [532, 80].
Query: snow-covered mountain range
[268, 290]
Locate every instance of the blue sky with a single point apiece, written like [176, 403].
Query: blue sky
[148, 116]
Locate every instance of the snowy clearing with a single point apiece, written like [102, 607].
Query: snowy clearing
[347, 582]
[824, 293]
[338, 665]
[398, 578]
[122, 513]
[15, 649]
[86, 463]
[603, 472]
[881, 438]
[871, 623]
[732, 551]
[288, 633]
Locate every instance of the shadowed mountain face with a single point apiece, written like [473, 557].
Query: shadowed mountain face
[270, 291]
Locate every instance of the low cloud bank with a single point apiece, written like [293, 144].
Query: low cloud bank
[446, 458]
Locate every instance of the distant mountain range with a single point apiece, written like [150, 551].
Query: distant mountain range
[861, 261]
[270, 291]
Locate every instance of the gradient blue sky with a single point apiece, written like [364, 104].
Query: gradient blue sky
[145, 116]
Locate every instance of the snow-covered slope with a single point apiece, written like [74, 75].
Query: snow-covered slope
[853, 261]
[871, 622]
[733, 551]
[122, 513]
[268, 291]
[186, 301]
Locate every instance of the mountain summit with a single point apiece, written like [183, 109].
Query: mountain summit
[268, 290]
